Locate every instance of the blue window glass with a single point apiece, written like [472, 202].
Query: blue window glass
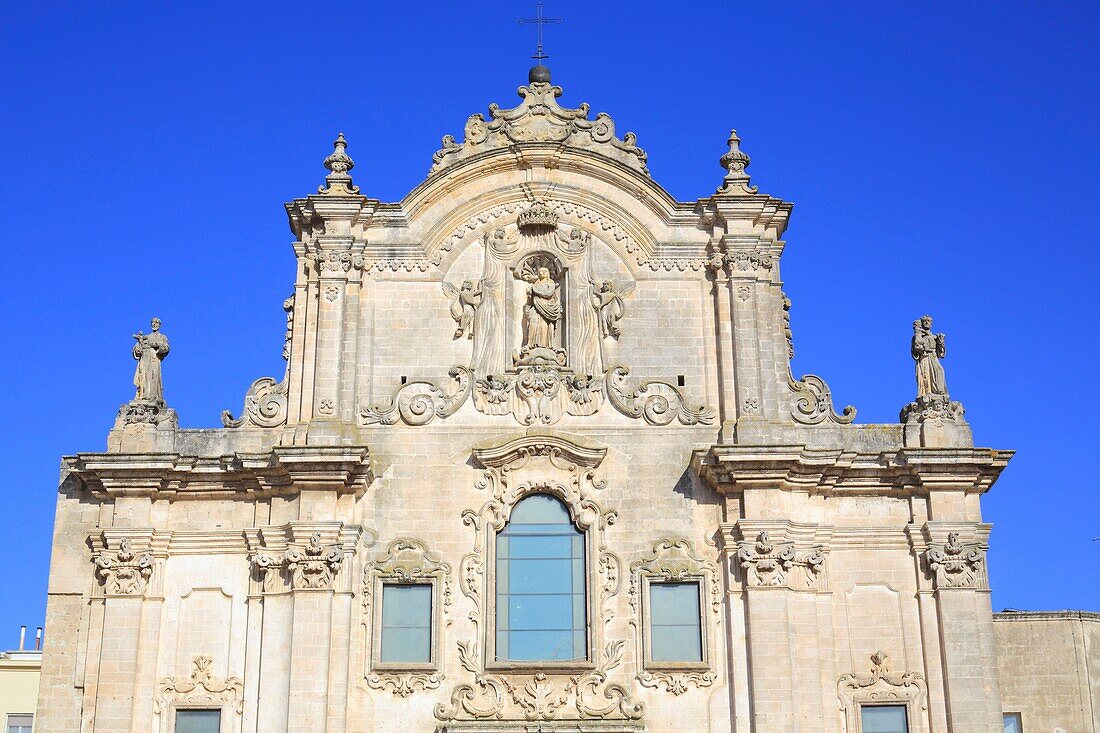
[1012, 723]
[198, 721]
[884, 719]
[541, 609]
[674, 624]
[406, 624]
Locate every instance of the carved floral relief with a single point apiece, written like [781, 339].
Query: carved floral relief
[124, 572]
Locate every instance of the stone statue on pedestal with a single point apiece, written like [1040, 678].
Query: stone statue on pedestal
[150, 351]
[148, 405]
[933, 419]
[543, 312]
[928, 349]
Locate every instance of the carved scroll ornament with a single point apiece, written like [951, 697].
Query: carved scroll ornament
[882, 686]
[812, 402]
[202, 688]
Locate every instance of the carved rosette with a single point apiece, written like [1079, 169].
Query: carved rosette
[201, 689]
[312, 567]
[123, 571]
[882, 686]
[957, 565]
[767, 564]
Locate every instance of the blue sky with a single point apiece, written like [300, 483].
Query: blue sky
[942, 158]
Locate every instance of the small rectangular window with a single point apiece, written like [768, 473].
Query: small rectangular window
[406, 624]
[674, 623]
[884, 719]
[198, 721]
[1012, 723]
[20, 722]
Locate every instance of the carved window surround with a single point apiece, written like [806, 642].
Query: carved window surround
[675, 561]
[202, 690]
[553, 697]
[407, 562]
[883, 687]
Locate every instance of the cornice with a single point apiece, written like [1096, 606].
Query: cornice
[280, 471]
[732, 469]
[502, 452]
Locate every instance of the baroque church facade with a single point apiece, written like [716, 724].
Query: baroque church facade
[537, 463]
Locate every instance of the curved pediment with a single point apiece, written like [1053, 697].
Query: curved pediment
[498, 453]
[540, 119]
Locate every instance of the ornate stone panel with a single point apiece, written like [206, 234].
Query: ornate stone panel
[765, 564]
[954, 564]
[124, 572]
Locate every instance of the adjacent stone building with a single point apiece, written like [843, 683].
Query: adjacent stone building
[537, 463]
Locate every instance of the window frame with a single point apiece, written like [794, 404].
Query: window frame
[1019, 716]
[888, 704]
[648, 663]
[8, 720]
[380, 583]
[224, 726]
[591, 549]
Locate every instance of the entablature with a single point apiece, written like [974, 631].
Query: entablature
[280, 471]
[732, 469]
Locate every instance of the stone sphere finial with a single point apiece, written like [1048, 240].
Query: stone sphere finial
[539, 74]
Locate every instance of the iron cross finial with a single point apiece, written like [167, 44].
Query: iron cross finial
[539, 20]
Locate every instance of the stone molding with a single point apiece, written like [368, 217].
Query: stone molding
[732, 469]
[882, 686]
[201, 689]
[284, 470]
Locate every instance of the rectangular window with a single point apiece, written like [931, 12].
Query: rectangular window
[198, 721]
[20, 722]
[1012, 723]
[674, 624]
[884, 719]
[406, 624]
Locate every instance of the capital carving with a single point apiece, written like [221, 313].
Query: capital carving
[123, 571]
[957, 565]
[768, 564]
[312, 567]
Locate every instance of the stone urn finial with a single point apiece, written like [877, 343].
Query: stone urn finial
[338, 181]
[735, 161]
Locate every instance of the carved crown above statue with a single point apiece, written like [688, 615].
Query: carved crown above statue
[540, 119]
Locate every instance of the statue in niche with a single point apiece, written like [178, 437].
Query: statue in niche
[928, 349]
[464, 304]
[149, 351]
[609, 304]
[543, 312]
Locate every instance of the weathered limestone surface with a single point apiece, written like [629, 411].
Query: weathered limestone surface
[1049, 667]
[538, 315]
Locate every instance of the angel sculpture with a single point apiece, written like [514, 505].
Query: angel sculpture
[464, 303]
[608, 302]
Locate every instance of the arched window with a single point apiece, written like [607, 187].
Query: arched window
[541, 612]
